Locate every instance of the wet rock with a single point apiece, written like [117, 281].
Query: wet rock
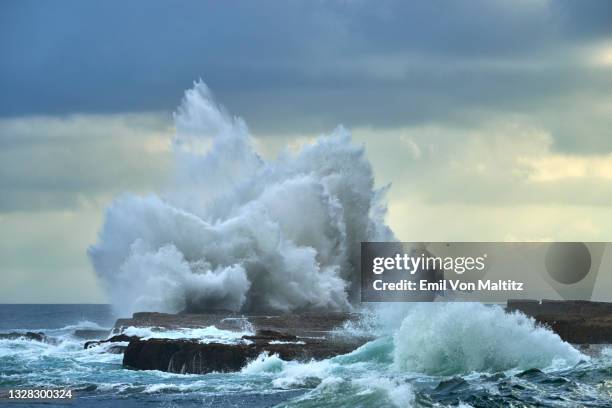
[271, 335]
[168, 321]
[580, 330]
[303, 324]
[115, 339]
[116, 349]
[192, 357]
[575, 321]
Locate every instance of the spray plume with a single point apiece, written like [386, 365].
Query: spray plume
[236, 232]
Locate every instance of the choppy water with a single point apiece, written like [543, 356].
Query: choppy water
[433, 356]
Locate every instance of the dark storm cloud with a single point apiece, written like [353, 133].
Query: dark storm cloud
[478, 107]
[306, 64]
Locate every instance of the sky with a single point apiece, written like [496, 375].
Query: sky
[491, 119]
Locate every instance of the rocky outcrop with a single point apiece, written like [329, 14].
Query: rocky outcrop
[115, 339]
[301, 336]
[302, 324]
[186, 356]
[34, 336]
[575, 321]
[193, 357]
[313, 336]
[307, 335]
[116, 349]
[271, 335]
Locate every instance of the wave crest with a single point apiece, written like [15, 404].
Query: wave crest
[445, 339]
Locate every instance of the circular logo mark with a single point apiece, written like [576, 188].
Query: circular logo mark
[568, 262]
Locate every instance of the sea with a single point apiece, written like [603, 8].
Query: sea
[465, 355]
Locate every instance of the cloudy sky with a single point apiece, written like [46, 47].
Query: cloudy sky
[491, 119]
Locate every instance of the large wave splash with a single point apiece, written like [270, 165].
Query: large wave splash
[459, 338]
[236, 232]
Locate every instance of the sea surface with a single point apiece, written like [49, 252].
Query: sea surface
[425, 356]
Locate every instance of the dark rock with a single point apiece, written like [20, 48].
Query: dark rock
[116, 349]
[35, 336]
[301, 336]
[313, 336]
[224, 321]
[583, 308]
[91, 334]
[185, 356]
[192, 357]
[270, 335]
[575, 321]
[579, 330]
[114, 339]
[303, 324]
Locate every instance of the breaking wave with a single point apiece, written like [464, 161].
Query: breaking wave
[459, 338]
[437, 342]
[236, 232]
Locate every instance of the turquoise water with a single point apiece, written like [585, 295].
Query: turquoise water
[433, 356]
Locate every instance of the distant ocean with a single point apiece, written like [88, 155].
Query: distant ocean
[54, 316]
[441, 356]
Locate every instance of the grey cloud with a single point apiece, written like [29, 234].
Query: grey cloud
[57, 163]
[309, 65]
[493, 164]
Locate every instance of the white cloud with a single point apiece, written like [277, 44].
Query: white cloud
[601, 55]
[555, 167]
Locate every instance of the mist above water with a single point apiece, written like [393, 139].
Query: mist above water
[236, 232]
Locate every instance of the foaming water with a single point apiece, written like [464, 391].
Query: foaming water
[381, 373]
[204, 334]
[236, 232]
[442, 353]
[458, 338]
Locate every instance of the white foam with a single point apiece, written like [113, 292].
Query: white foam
[449, 338]
[264, 363]
[296, 374]
[399, 392]
[204, 335]
[236, 232]
[286, 342]
[81, 325]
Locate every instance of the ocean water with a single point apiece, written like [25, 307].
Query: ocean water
[440, 355]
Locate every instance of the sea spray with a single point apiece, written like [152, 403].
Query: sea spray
[418, 347]
[264, 363]
[458, 338]
[236, 232]
[368, 377]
